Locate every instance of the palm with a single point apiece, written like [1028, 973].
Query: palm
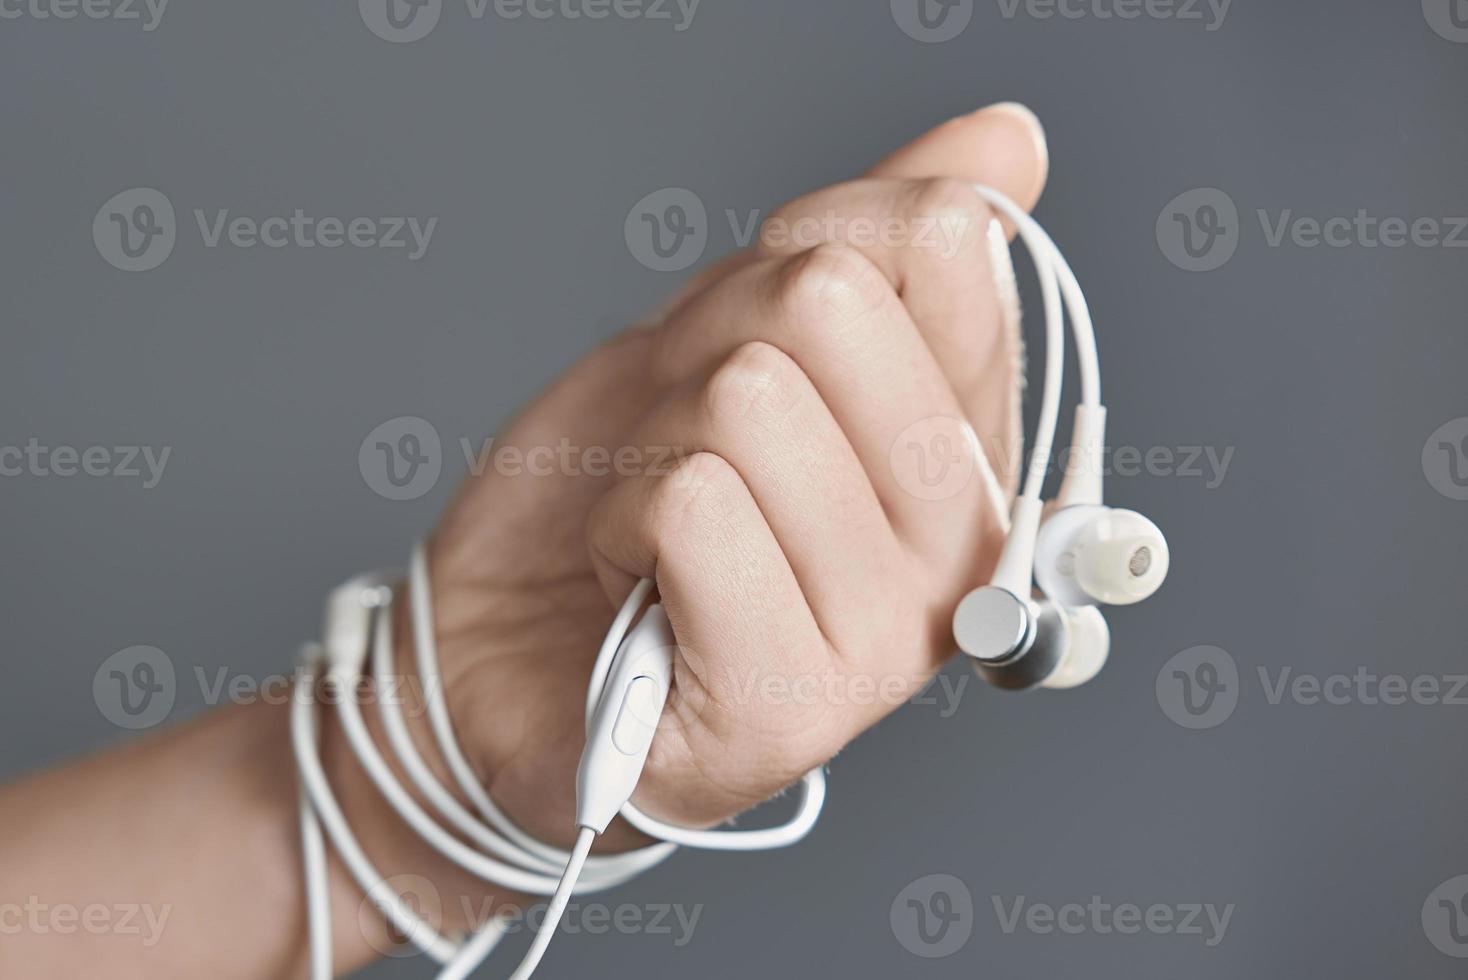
[519, 607]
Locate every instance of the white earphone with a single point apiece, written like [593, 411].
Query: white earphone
[1083, 554]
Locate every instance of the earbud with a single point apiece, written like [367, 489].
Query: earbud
[1086, 652]
[1018, 645]
[1086, 554]
[1082, 554]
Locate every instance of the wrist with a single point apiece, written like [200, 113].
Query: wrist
[451, 900]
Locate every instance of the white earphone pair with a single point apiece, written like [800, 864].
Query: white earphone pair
[1080, 555]
[1083, 554]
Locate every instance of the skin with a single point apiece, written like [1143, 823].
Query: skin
[784, 539]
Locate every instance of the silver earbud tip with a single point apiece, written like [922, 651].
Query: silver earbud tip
[993, 625]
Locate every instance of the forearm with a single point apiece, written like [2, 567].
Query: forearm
[180, 854]
[188, 840]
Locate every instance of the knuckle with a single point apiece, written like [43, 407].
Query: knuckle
[785, 228]
[953, 209]
[756, 380]
[941, 196]
[831, 284]
[699, 492]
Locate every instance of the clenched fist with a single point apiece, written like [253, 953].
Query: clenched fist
[809, 450]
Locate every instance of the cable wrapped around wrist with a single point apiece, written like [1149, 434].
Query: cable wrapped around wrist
[503, 853]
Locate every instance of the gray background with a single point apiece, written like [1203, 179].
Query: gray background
[1324, 550]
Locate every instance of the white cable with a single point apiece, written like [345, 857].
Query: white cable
[812, 784]
[1050, 262]
[318, 897]
[1056, 279]
[426, 648]
[503, 856]
[557, 907]
[502, 852]
[319, 806]
[1041, 255]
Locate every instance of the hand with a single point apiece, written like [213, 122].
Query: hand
[809, 579]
